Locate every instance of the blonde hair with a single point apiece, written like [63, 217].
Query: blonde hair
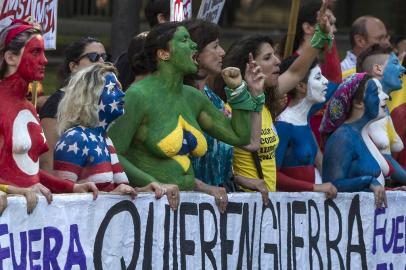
[79, 106]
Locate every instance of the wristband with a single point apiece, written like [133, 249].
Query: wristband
[320, 38]
[4, 188]
[239, 98]
[259, 102]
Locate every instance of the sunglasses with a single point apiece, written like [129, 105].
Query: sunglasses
[94, 57]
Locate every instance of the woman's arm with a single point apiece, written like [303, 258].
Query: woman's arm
[337, 162]
[236, 131]
[253, 184]
[47, 159]
[219, 194]
[297, 71]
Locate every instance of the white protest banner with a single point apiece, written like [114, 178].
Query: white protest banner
[295, 231]
[41, 11]
[180, 10]
[210, 10]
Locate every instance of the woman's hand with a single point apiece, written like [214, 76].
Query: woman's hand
[261, 187]
[328, 188]
[172, 193]
[157, 188]
[86, 187]
[125, 189]
[232, 77]
[380, 195]
[31, 198]
[323, 19]
[254, 77]
[220, 196]
[41, 189]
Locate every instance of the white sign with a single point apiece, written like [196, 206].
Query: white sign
[295, 231]
[181, 10]
[210, 10]
[42, 11]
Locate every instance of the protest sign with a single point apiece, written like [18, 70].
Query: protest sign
[295, 231]
[42, 11]
[210, 10]
[181, 10]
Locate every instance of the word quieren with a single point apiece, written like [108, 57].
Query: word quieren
[272, 213]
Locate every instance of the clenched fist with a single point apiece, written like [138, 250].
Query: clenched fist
[232, 77]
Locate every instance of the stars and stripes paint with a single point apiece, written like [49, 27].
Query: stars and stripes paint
[86, 154]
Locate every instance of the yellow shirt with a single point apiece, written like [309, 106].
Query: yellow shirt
[243, 163]
[398, 97]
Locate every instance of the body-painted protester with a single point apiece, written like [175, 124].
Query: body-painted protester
[165, 119]
[353, 166]
[80, 54]
[22, 139]
[261, 47]
[298, 169]
[215, 167]
[384, 65]
[84, 153]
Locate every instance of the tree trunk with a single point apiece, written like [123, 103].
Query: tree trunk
[124, 25]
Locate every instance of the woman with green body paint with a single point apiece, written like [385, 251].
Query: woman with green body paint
[164, 119]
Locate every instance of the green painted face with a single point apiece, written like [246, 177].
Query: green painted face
[183, 52]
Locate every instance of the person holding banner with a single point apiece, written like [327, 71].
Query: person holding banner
[352, 167]
[258, 171]
[297, 150]
[165, 119]
[79, 54]
[84, 153]
[22, 140]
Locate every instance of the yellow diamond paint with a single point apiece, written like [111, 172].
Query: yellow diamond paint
[172, 143]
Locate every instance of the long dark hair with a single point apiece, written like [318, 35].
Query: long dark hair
[237, 56]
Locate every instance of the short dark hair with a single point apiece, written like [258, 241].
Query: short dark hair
[237, 56]
[359, 27]
[153, 8]
[375, 49]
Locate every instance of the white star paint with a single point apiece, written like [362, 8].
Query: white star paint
[70, 133]
[106, 151]
[98, 150]
[60, 146]
[74, 148]
[85, 151]
[92, 137]
[110, 86]
[101, 106]
[113, 106]
[84, 137]
[103, 123]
